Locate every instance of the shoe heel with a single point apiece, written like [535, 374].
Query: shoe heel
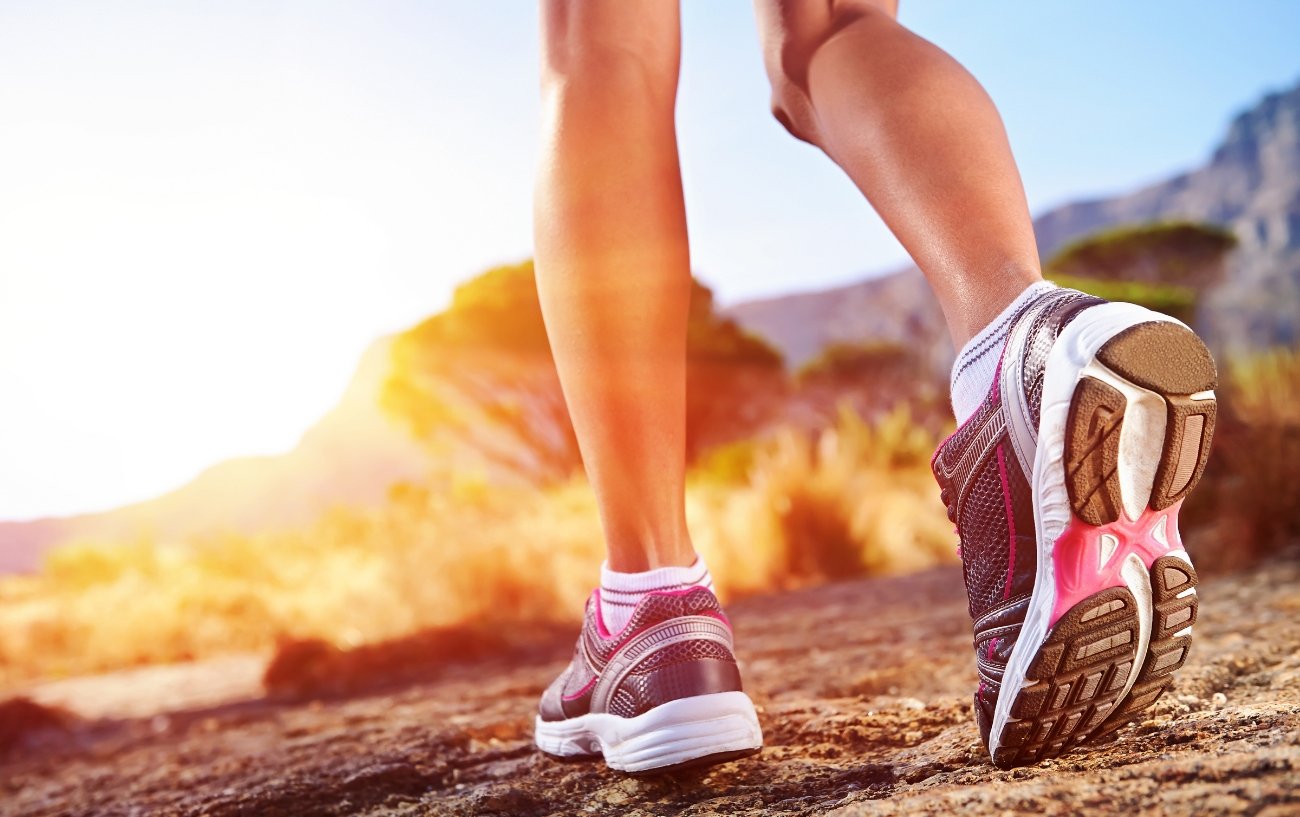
[1160, 377]
[1170, 360]
[688, 732]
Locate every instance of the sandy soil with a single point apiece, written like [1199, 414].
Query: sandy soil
[864, 694]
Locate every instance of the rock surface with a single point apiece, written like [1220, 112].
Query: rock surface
[864, 689]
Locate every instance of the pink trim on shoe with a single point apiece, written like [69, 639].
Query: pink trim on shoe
[608, 636]
[1011, 523]
[600, 618]
[585, 689]
[1076, 556]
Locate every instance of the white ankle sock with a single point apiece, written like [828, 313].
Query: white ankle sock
[620, 592]
[977, 362]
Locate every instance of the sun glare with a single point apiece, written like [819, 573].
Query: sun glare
[203, 227]
[212, 325]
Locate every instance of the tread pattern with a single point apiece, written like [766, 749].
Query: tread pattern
[1182, 367]
[1189, 428]
[1185, 366]
[1074, 682]
[1092, 451]
[1173, 592]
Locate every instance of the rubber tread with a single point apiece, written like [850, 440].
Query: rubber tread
[1161, 356]
[1171, 360]
[1070, 691]
[1092, 451]
[1189, 430]
[1170, 576]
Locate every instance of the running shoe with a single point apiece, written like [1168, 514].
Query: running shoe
[1065, 488]
[662, 694]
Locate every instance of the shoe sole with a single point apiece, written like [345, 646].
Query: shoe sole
[1128, 415]
[689, 732]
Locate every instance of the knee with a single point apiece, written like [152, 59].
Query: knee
[582, 58]
[793, 33]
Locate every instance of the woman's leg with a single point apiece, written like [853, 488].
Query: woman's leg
[1032, 478]
[918, 136]
[613, 268]
[614, 277]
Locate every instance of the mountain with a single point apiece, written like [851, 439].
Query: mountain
[896, 308]
[350, 457]
[1251, 185]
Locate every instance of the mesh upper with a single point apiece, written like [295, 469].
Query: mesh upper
[979, 504]
[1022, 506]
[652, 610]
[680, 653]
[664, 676]
[985, 546]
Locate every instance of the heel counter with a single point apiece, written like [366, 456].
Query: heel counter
[681, 658]
[684, 670]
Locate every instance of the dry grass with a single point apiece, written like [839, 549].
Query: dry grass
[856, 498]
[1249, 502]
[791, 509]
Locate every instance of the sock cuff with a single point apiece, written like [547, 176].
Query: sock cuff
[616, 586]
[986, 340]
[976, 365]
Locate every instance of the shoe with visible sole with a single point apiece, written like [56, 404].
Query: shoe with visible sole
[661, 695]
[1065, 487]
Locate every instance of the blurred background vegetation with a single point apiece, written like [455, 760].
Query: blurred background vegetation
[796, 477]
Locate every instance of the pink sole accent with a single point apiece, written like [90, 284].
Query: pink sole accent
[1076, 556]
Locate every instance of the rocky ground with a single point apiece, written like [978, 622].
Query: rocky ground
[863, 690]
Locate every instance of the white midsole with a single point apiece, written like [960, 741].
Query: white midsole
[1138, 580]
[671, 733]
[1075, 349]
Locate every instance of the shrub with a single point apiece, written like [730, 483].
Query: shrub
[790, 509]
[1181, 253]
[852, 499]
[1248, 504]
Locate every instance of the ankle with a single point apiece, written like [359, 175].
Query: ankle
[636, 554]
[985, 304]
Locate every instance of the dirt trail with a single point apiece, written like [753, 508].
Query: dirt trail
[864, 694]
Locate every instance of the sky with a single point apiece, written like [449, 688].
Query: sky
[209, 210]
